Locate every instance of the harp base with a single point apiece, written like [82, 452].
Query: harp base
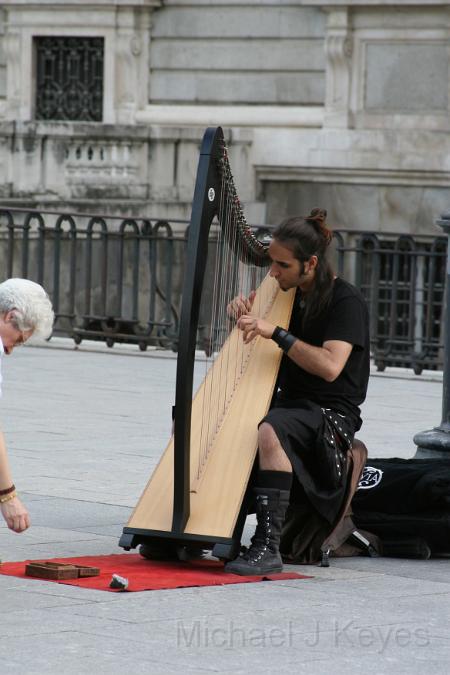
[223, 548]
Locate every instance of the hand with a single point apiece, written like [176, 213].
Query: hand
[251, 327]
[16, 515]
[240, 305]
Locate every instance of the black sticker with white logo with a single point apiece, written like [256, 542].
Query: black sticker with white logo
[370, 478]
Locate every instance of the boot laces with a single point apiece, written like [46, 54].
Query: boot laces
[261, 539]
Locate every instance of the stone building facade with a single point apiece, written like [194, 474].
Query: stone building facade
[343, 104]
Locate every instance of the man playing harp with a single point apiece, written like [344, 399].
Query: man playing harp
[322, 382]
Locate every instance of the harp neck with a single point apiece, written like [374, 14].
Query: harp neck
[215, 195]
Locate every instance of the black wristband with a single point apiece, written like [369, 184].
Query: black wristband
[283, 338]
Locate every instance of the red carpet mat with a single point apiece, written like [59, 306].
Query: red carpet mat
[148, 575]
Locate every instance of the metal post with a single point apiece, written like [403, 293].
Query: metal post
[435, 443]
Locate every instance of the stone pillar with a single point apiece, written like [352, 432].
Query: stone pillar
[13, 79]
[435, 443]
[338, 49]
[132, 47]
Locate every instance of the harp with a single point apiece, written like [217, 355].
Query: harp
[198, 492]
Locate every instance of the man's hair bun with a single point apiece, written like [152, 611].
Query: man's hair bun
[317, 218]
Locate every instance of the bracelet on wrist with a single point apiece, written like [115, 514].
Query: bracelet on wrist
[8, 498]
[283, 338]
[7, 491]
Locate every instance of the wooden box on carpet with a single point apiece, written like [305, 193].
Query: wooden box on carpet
[53, 570]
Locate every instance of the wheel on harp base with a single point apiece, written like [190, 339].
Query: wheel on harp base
[169, 551]
[226, 552]
[160, 551]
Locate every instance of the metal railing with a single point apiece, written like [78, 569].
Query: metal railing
[120, 279]
[110, 278]
[403, 280]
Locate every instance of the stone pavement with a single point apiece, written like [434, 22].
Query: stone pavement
[85, 428]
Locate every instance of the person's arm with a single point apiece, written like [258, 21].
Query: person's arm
[326, 361]
[13, 511]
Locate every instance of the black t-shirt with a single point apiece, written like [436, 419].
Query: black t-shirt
[346, 318]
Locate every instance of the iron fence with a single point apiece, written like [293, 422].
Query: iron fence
[403, 280]
[120, 280]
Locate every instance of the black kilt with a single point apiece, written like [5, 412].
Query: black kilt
[300, 426]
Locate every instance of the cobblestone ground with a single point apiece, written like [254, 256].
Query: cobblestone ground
[84, 429]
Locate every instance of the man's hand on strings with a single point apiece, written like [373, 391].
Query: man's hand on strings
[251, 327]
[240, 305]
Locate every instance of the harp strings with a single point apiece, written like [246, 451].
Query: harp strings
[210, 404]
[234, 274]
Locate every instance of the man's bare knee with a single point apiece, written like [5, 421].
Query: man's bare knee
[271, 454]
[267, 438]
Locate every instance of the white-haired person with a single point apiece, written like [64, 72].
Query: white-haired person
[25, 311]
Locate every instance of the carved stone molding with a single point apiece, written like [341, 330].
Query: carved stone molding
[387, 68]
[338, 49]
[13, 56]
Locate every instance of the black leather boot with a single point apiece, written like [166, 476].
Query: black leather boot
[263, 556]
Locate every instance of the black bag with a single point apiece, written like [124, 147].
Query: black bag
[406, 503]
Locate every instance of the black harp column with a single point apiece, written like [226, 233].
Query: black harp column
[435, 443]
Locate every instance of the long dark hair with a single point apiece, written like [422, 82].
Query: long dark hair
[306, 237]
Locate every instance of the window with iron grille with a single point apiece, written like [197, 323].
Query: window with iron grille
[69, 78]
